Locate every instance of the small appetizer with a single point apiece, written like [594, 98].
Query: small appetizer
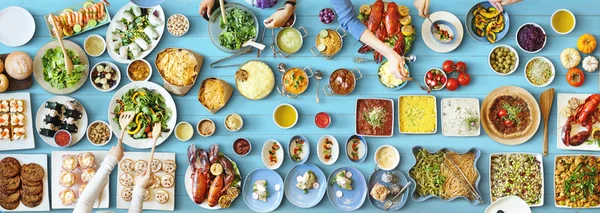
[87, 174]
[4, 119]
[17, 119]
[67, 178]
[156, 165]
[327, 149]
[18, 133]
[395, 189]
[126, 165]
[69, 162]
[126, 179]
[155, 182]
[147, 195]
[260, 190]
[344, 179]
[127, 193]
[140, 166]
[355, 143]
[307, 181]
[273, 154]
[169, 166]
[379, 192]
[161, 196]
[87, 160]
[16, 106]
[81, 188]
[298, 150]
[67, 197]
[388, 177]
[4, 106]
[167, 181]
[5, 134]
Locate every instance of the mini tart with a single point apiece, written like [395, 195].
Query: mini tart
[4, 106]
[161, 196]
[140, 166]
[66, 178]
[167, 181]
[70, 162]
[17, 119]
[147, 195]
[87, 174]
[169, 166]
[155, 182]
[127, 193]
[126, 179]
[81, 188]
[126, 165]
[87, 160]
[67, 197]
[156, 165]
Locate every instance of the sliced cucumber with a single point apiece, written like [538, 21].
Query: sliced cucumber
[323, 33]
[321, 47]
[77, 28]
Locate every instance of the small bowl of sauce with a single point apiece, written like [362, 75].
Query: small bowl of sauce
[563, 21]
[184, 131]
[62, 138]
[285, 116]
[322, 120]
[139, 70]
[94, 45]
[206, 127]
[234, 122]
[387, 157]
[242, 146]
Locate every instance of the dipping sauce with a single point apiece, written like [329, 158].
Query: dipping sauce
[94, 45]
[62, 138]
[241, 146]
[285, 116]
[233, 122]
[563, 21]
[387, 157]
[289, 40]
[206, 128]
[138, 70]
[322, 120]
[184, 131]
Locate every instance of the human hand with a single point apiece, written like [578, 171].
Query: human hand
[206, 7]
[144, 180]
[396, 67]
[423, 7]
[498, 4]
[116, 151]
[279, 18]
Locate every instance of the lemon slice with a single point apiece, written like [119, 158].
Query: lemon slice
[323, 33]
[406, 20]
[77, 28]
[88, 4]
[68, 10]
[408, 30]
[216, 169]
[403, 10]
[321, 47]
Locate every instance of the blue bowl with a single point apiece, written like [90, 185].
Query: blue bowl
[348, 147]
[297, 196]
[402, 181]
[273, 199]
[445, 25]
[416, 197]
[469, 23]
[396, 87]
[351, 199]
[306, 148]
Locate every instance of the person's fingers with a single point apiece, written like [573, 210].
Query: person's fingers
[269, 22]
[426, 9]
[500, 6]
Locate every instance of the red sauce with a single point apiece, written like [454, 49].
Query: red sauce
[322, 120]
[62, 138]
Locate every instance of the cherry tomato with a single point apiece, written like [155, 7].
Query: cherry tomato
[443, 80]
[428, 81]
[502, 113]
[461, 67]
[448, 66]
[508, 123]
[575, 77]
[464, 79]
[433, 83]
[452, 84]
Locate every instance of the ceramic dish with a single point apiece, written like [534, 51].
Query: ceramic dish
[433, 78]
[443, 25]
[344, 199]
[281, 42]
[81, 123]
[29, 141]
[472, 20]
[17, 26]
[434, 45]
[508, 204]
[538, 26]
[183, 124]
[40, 159]
[74, 9]
[416, 109]
[206, 120]
[241, 140]
[89, 129]
[38, 67]
[293, 79]
[274, 193]
[185, 24]
[356, 149]
[299, 149]
[328, 153]
[340, 79]
[145, 62]
[214, 28]
[554, 15]
[322, 120]
[415, 195]
[272, 154]
[539, 160]
[392, 155]
[338, 32]
[88, 39]
[383, 77]
[234, 129]
[388, 104]
[280, 112]
[562, 103]
[552, 70]
[572, 176]
[511, 50]
[113, 67]
[302, 198]
[460, 117]
[400, 180]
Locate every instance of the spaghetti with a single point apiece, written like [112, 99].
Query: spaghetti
[454, 186]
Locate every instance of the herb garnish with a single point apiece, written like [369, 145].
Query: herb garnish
[512, 112]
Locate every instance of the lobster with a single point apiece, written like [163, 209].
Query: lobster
[200, 174]
[585, 115]
[384, 24]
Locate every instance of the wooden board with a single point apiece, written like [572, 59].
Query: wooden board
[14, 84]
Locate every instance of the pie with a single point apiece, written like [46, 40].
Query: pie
[509, 116]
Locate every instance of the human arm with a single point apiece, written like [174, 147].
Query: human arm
[423, 7]
[498, 4]
[280, 17]
[142, 183]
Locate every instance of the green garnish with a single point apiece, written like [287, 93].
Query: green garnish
[375, 117]
[512, 112]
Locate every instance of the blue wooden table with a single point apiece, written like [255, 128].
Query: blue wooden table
[257, 115]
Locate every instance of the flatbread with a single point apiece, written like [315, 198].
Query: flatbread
[498, 128]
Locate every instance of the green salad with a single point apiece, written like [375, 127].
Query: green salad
[149, 107]
[55, 73]
[240, 27]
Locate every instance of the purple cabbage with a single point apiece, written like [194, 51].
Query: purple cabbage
[531, 38]
[262, 3]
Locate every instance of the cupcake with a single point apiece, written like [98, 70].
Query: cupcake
[87, 174]
[66, 178]
[87, 160]
[67, 197]
[69, 162]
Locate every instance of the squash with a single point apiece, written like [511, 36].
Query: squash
[590, 64]
[586, 43]
[570, 58]
[491, 37]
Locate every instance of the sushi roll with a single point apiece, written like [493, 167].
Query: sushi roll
[47, 132]
[142, 43]
[73, 114]
[4, 119]
[137, 11]
[4, 106]
[54, 105]
[123, 52]
[69, 120]
[121, 26]
[52, 120]
[127, 16]
[18, 133]
[5, 133]
[154, 20]
[72, 128]
[17, 119]
[151, 32]
[134, 49]
[73, 105]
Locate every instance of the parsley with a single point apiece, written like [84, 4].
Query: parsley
[512, 112]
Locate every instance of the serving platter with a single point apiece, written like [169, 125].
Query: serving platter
[81, 123]
[188, 184]
[299, 197]
[538, 157]
[29, 141]
[38, 67]
[56, 159]
[42, 160]
[356, 114]
[423, 114]
[448, 116]
[562, 102]
[274, 197]
[351, 199]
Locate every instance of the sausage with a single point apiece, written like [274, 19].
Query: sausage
[215, 191]
[199, 186]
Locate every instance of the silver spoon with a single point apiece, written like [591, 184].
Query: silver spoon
[318, 75]
[389, 203]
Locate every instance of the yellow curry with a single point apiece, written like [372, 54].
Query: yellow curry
[295, 81]
[417, 114]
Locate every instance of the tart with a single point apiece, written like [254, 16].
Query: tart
[67, 178]
[126, 179]
[86, 160]
[509, 116]
[126, 165]
[140, 166]
[156, 165]
[169, 166]
[67, 197]
[87, 175]
[69, 162]
[167, 181]
[161, 196]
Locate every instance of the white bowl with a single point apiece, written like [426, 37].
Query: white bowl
[443, 73]
[395, 163]
[183, 123]
[233, 147]
[198, 127]
[103, 44]
[574, 21]
[297, 115]
[534, 24]
[89, 128]
[106, 63]
[547, 61]
[512, 50]
[335, 150]
[233, 130]
[147, 63]
[265, 154]
[186, 20]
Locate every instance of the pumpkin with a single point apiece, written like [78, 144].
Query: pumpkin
[590, 64]
[570, 58]
[586, 43]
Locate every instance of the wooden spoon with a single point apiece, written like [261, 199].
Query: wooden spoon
[155, 134]
[68, 62]
[222, 7]
[546, 100]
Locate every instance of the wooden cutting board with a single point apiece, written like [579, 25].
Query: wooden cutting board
[14, 84]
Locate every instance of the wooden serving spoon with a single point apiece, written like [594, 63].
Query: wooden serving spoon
[68, 62]
[222, 8]
[546, 100]
[124, 119]
[155, 134]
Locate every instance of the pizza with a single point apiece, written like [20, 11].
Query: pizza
[509, 116]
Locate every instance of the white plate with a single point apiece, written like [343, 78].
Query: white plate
[435, 46]
[103, 200]
[118, 16]
[335, 150]
[509, 204]
[554, 184]
[188, 187]
[448, 115]
[81, 123]
[142, 143]
[562, 101]
[42, 160]
[434, 110]
[150, 204]
[538, 157]
[38, 67]
[17, 26]
[265, 154]
[29, 141]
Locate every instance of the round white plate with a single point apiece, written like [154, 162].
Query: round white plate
[38, 67]
[188, 186]
[17, 26]
[438, 47]
[81, 123]
[118, 16]
[509, 204]
[142, 143]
